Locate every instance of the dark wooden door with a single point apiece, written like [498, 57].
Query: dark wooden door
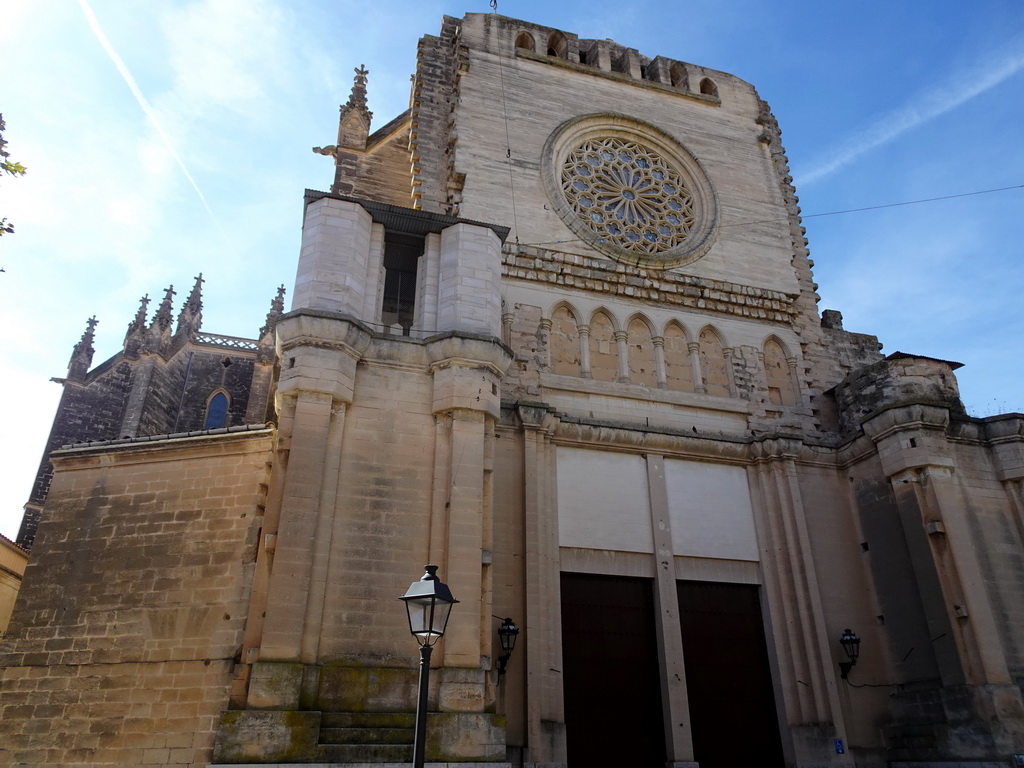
[613, 712]
[728, 681]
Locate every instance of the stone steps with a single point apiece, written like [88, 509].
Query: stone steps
[366, 753]
[367, 737]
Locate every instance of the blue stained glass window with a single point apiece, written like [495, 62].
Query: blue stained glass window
[217, 412]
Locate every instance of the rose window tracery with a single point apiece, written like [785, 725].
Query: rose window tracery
[630, 191]
[628, 194]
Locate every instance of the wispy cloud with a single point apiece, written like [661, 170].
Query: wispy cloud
[927, 105]
[143, 102]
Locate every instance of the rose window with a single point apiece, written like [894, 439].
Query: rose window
[628, 195]
[630, 191]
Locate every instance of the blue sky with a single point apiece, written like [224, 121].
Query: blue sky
[167, 139]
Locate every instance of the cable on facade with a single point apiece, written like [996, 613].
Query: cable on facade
[878, 207]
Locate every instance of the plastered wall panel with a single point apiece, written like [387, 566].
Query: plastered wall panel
[603, 501]
[709, 507]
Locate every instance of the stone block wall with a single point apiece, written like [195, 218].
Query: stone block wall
[126, 636]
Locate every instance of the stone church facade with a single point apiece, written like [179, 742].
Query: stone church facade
[555, 330]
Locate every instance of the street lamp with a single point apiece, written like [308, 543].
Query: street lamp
[851, 644]
[507, 634]
[428, 603]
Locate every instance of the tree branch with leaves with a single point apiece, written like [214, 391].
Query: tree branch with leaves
[11, 168]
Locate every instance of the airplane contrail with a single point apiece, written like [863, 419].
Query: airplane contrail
[143, 102]
[926, 105]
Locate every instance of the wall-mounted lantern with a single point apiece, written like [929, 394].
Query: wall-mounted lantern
[851, 645]
[507, 634]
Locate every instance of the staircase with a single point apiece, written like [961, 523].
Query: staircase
[367, 737]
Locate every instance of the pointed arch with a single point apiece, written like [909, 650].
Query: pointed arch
[678, 368]
[708, 87]
[557, 44]
[680, 78]
[608, 314]
[603, 347]
[569, 307]
[713, 366]
[564, 341]
[217, 405]
[778, 372]
[641, 317]
[525, 41]
[643, 366]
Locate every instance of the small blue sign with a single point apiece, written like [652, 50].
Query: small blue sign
[840, 749]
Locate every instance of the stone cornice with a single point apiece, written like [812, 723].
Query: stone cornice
[670, 289]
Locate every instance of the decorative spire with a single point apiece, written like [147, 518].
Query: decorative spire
[354, 123]
[81, 356]
[357, 99]
[135, 337]
[191, 315]
[276, 310]
[163, 317]
[139, 323]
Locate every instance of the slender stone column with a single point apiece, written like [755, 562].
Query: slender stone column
[622, 346]
[659, 361]
[545, 329]
[584, 350]
[698, 377]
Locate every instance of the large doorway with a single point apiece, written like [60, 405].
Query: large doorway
[613, 713]
[728, 680]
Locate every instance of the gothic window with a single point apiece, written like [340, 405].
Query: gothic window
[678, 370]
[401, 260]
[777, 372]
[630, 191]
[642, 366]
[216, 412]
[713, 364]
[565, 343]
[603, 352]
[628, 194]
[557, 45]
[524, 40]
[708, 87]
[679, 77]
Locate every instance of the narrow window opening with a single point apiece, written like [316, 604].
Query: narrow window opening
[678, 75]
[524, 40]
[216, 412]
[708, 88]
[557, 45]
[401, 260]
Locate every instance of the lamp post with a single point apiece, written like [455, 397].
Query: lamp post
[428, 603]
[851, 644]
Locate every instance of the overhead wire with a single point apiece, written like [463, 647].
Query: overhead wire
[879, 207]
[832, 213]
